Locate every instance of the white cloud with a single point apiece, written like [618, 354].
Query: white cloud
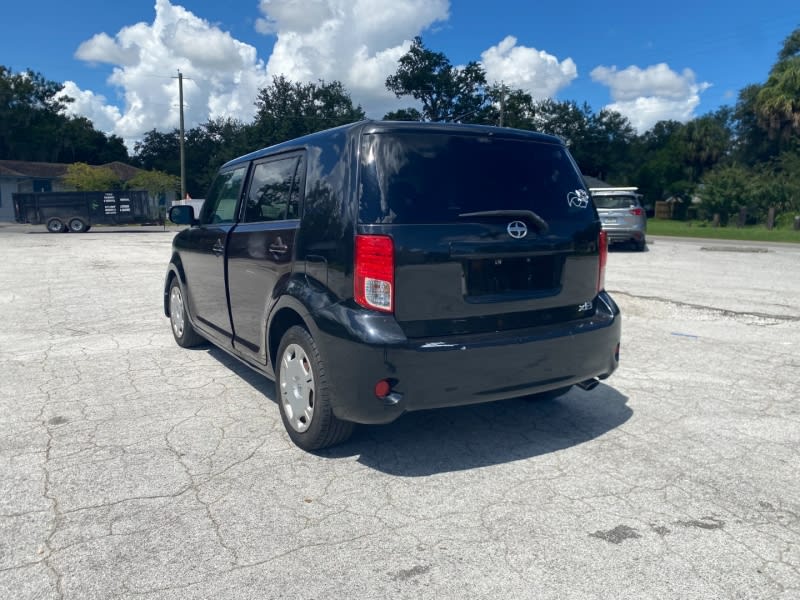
[535, 71]
[104, 49]
[357, 42]
[104, 116]
[649, 95]
[222, 75]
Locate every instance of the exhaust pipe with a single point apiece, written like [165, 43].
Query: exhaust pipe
[589, 384]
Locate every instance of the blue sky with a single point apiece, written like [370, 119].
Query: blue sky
[647, 60]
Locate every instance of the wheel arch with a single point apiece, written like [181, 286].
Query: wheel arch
[174, 271]
[282, 319]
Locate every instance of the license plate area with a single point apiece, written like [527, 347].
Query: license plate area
[515, 275]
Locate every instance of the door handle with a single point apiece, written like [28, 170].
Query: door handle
[218, 248]
[278, 248]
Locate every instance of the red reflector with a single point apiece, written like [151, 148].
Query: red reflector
[602, 247]
[382, 388]
[637, 212]
[374, 272]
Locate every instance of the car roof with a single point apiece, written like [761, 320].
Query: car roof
[372, 126]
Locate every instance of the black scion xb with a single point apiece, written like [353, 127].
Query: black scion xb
[383, 267]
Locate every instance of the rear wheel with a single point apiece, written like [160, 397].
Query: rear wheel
[77, 225]
[182, 329]
[55, 225]
[304, 394]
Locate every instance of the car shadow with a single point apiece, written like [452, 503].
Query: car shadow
[468, 437]
[445, 440]
[627, 248]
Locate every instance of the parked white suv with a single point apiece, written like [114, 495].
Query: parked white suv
[622, 214]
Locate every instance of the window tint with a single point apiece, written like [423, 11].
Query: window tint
[220, 203]
[624, 201]
[274, 191]
[434, 178]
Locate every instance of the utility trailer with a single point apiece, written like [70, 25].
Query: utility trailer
[78, 211]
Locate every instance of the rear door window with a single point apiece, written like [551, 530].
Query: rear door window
[274, 191]
[615, 201]
[413, 178]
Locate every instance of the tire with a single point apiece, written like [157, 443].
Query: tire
[548, 395]
[640, 246]
[181, 327]
[77, 225]
[304, 394]
[55, 225]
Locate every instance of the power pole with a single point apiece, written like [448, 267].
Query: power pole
[502, 102]
[183, 156]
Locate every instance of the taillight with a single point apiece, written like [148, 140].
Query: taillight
[602, 246]
[637, 212]
[374, 272]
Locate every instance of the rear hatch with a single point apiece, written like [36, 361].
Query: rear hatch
[618, 211]
[491, 231]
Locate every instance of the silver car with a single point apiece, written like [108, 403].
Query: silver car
[624, 219]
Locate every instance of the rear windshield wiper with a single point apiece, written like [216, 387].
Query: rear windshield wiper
[528, 215]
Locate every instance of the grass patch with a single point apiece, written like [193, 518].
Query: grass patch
[703, 229]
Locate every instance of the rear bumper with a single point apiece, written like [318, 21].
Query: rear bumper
[625, 234]
[460, 370]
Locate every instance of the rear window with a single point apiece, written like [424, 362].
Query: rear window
[414, 178]
[615, 201]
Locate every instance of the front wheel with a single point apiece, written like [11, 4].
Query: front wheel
[182, 329]
[304, 394]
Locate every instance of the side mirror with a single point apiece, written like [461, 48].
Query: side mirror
[182, 214]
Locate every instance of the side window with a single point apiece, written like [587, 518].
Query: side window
[274, 191]
[220, 204]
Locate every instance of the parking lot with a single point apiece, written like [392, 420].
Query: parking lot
[132, 468]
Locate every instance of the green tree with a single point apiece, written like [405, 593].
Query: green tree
[565, 119]
[286, 109]
[210, 145]
[777, 103]
[777, 185]
[206, 148]
[159, 150]
[508, 108]
[88, 178]
[604, 151]
[658, 162]
[154, 182]
[705, 142]
[447, 93]
[81, 142]
[403, 114]
[34, 126]
[752, 142]
[31, 116]
[726, 190]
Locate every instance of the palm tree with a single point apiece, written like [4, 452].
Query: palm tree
[778, 100]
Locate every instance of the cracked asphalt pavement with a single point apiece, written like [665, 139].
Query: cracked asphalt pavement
[131, 468]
